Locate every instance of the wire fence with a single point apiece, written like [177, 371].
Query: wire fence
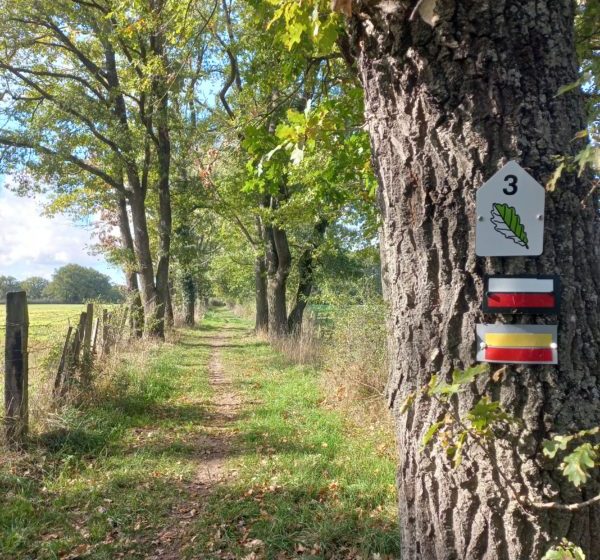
[46, 361]
[44, 338]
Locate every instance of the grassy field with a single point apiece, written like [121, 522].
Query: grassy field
[46, 320]
[121, 476]
[48, 324]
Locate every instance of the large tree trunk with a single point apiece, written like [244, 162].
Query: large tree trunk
[153, 324]
[164, 227]
[305, 278]
[278, 260]
[162, 141]
[133, 290]
[446, 107]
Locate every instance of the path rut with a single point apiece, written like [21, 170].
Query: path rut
[213, 448]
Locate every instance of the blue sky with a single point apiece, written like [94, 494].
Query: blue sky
[35, 245]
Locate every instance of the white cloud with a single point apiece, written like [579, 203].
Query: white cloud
[33, 244]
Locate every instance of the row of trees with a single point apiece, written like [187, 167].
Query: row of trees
[70, 284]
[198, 142]
[231, 142]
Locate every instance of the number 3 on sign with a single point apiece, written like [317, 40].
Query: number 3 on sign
[512, 183]
[509, 217]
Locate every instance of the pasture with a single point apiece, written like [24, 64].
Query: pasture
[46, 320]
[48, 324]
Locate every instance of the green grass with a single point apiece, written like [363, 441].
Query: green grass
[307, 479]
[104, 480]
[44, 320]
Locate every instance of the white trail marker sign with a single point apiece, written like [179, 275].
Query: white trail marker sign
[510, 214]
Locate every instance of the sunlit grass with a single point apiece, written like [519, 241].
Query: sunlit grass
[103, 479]
[308, 481]
[104, 476]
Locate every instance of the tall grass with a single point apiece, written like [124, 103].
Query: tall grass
[347, 344]
[354, 355]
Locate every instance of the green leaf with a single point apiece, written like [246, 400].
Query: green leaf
[463, 377]
[566, 550]
[408, 402]
[556, 444]
[508, 223]
[573, 85]
[443, 388]
[577, 464]
[551, 186]
[486, 413]
[458, 446]
[589, 156]
[433, 429]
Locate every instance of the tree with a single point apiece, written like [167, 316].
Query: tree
[453, 90]
[73, 283]
[34, 286]
[451, 95]
[8, 284]
[105, 72]
[289, 183]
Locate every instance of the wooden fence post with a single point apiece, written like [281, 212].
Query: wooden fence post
[105, 332]
[64, 359]
[74, 361]
[95, 335]
[16, 372]
[87, 334]
[123, 323]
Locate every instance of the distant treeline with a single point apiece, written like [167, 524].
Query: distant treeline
[70, 284]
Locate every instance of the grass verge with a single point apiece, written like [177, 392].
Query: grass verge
[115, 478]
[308, 482]
[102, 478]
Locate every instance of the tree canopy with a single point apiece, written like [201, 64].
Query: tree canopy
[73, 283]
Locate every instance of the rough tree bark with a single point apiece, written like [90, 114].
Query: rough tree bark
[160, 89]
[133, 289]
[446, 107]
[262, 306]
[169, 311]
[278, 260]
[306, 277]
[153, 324]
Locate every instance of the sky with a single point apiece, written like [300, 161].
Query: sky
[35, 245]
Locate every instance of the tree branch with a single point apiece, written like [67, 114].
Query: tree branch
[73, 159]
[63, 107]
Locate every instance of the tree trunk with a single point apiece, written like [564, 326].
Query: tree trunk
[133, 290]
[189, 299]
[164, 230]
[162, 141]
[153, 324]
[120, 108]
[306, 278]
[262, 305]
[169, 313]
[278, 260]
[260, 281]
[446, 106]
